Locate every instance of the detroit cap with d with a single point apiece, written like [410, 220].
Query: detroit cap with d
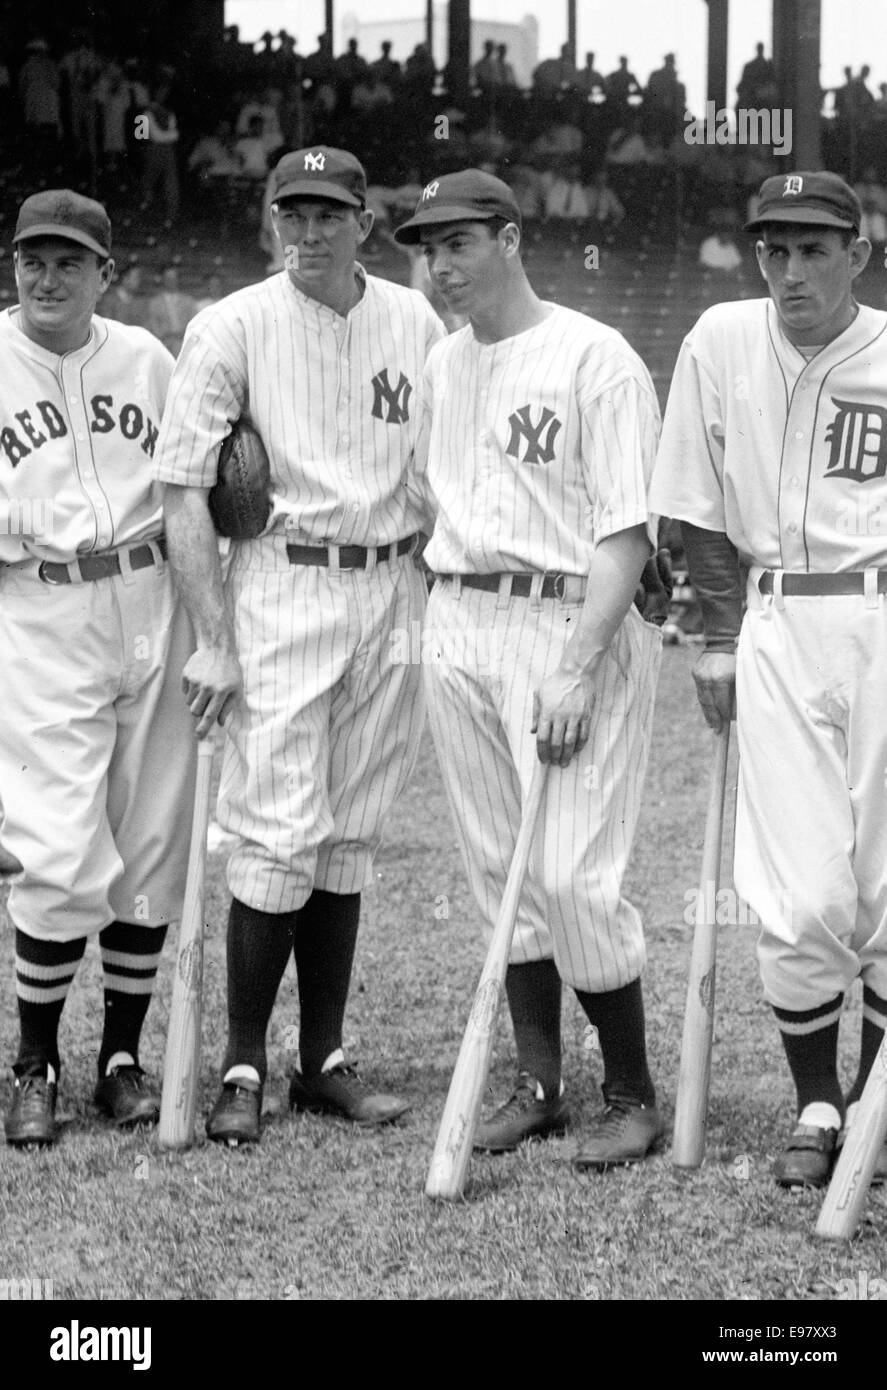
[817, 199]
[321, 172]
[63, 213]
[468, 196]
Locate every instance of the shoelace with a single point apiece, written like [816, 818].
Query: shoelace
[348, 1072]
[613, 1116]
[131, 1076]
[521, 1099]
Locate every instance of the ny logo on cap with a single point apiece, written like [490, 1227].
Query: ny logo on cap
[793, 184]
[430, 190]
[315, 161]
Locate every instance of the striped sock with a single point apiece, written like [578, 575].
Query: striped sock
[130, 957]
[43, 974]
[810, 1039]
[874, 1021]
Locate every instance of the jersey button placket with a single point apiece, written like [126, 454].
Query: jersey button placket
[85, 462]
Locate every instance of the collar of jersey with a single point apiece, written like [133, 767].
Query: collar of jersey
[325, 308]
[97, 336]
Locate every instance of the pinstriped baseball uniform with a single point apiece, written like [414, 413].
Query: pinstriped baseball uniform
[92, 799]
[786, 451]
[540, 446]
[328, 728]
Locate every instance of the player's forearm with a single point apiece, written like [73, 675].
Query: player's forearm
[193, 548]
[613, 579]
[713, 564]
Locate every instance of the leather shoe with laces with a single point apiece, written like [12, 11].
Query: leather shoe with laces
[340, 1091]
[124, 1097]
[31, 1117]
[523, 1116]
[236, 1116]
[624, 1132]
[806, 1160]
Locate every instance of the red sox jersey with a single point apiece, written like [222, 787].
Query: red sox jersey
[786, 455]
[337, 416]
[77, 438]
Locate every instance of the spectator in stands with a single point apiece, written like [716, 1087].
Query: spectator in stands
[757, 86]
[38, 88]
[319, 69]
[556, 75]
[560, 138]
[590, 80]
[170, 311]
[665, 101]
[488, 145]
[879, 110]
[371, 95]
[124, 300]
[252, 151]
[863, 100]
[603, 204]
[504, 70]
[214, 156]
[527, 185]
[113, 98]
[159, 130]
[420, 73]
[626, 145]
[718, 251]
[386, 69]
[621, 85]
[873, 197]
[80, 69]
[566, 199]
[485, 73]
[349, 69]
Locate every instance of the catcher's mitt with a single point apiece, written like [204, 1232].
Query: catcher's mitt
[240, 501]
[653, 598]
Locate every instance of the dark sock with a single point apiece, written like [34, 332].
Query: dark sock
[43, 974]
[618, 1016]
[810, 1039]
[259, 945]
[874, 1020]
[534, 1001]
[325, 939]
[130, 957]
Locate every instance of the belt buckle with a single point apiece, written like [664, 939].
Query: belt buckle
[560, 586]
[42, 574]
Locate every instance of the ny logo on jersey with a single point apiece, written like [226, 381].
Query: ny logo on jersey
[793, 184]
[858, 439]
[396, 398]
[539, 450]
[315, 161]
[430, 190]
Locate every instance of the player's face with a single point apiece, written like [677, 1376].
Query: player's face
[319, 240]
[810, 273]
[467, 265]
[59, 285]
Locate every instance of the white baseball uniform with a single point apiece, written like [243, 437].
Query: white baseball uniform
[328, 728]
[96, 745]
[539, 447]
[788, 456]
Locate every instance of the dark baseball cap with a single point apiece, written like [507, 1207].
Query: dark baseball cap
[810, 199]
[321, 172]
[468, 196]
[63, 213]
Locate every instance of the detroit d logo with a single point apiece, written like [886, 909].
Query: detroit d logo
[858, 439]
[396, 398]
[793, 184]
[539, 438]
[315, 161]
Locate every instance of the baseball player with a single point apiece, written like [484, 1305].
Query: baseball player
[324, 725]
[774, 453]
[541, 437]
[96, 754]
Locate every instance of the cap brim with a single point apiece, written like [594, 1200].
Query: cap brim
[314, 188]
[63, 234]
[802, 217]
[410, 233]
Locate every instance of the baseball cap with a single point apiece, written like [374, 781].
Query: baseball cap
[468, 196]
[63, 213]
[816, 199]
[320, 172]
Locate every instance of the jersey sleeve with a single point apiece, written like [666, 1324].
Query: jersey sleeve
[620, 429]
[206, 395]
[688, 479]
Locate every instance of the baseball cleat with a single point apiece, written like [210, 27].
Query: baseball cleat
[124, 1097]
[807, 1159]
[30, 1122]
[235, 1118]
[341, 1092]
[624, 1132]
[523, 1116]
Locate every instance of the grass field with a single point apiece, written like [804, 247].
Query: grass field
[323, 1211]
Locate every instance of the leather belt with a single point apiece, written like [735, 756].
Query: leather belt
[848, 582]
[90, 567]
[350, 557]
[519, 585]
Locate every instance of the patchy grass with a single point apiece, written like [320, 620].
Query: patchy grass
[324, 1211]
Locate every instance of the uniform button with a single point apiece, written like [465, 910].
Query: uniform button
[792, 528]
[799, 434]
[73, 400]
[87, 472]
[794, 482]
[81, 437]
[356, 507]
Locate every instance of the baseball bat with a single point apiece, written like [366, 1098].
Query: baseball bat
[691, 1103]
[178, 1100]
[452, 1150]
[844, 1200]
